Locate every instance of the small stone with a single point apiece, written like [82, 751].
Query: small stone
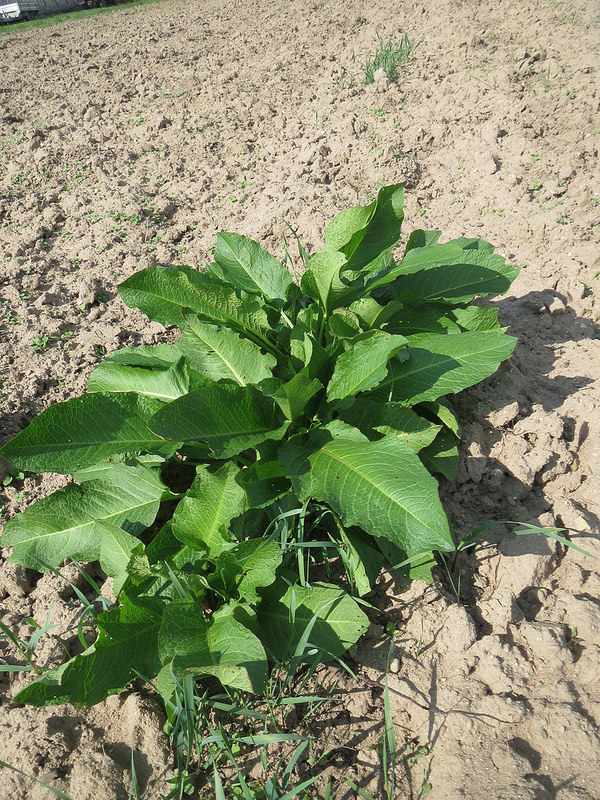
[395, 666]
[521, 469]
[458, 630]
[13, 580]
[97, 775]
[368, 757]
[87, 292]
[504, 416]
[583, 615]
[587, 254]
[494, 478]
[375, 631]
[92, 114]
[31, 282]
[476, 468]
[557, 306]
[566, 171]
[48, 298]
[571, 288]
[570, 515]
[381, 80]
[40, 154]
[52, 215]
[527, 544]
[501, 610]
[540, 423]
[527, 561]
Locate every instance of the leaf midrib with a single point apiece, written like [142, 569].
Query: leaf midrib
[69, 445]
[252, 278]
[460, 360]
[450, 291]
[97, 519]
[228, 364]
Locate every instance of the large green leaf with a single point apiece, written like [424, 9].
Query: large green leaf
[442, 455]
[116, 547]
[373, 314]
[381, 486]
[157, 356]
[321, 281]
[220, 353]
[448, 272]
[163, 292]
[85, 430]
[363, 561]
[294, 395]
[421, 238]
[415, 568]
[306, 353]
[263, 482]
[443, 364]
[127, 644]
[75, 521]
[444, 412]
[165, 384]
[477, 318]
[418, 320]
[249, 267]
[364, 365]
[330, 617]
[226, 417]
[146, 567]
[193, 642]
[202, 517]
[249, 566]
[364, 234]
[357, 242]
[373, 416]
[469, 276]
[343, 323]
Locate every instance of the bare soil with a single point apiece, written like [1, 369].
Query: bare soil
[132, 138]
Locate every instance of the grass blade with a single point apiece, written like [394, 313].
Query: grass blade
[360, 792]
[56, 792]
[389, 739]
[219, 791]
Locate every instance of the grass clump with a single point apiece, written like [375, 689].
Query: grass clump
[389, 56]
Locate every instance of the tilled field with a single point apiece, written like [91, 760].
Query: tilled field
[130, 139]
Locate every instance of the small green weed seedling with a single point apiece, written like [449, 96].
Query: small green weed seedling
[389, 56]
[215, 478]
[39, 343]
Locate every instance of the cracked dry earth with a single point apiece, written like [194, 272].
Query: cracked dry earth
[131, 138]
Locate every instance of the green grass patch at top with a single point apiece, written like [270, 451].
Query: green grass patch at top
[69, 16]
[389, 56]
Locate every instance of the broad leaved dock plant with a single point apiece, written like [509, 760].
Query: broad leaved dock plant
[220, 478]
